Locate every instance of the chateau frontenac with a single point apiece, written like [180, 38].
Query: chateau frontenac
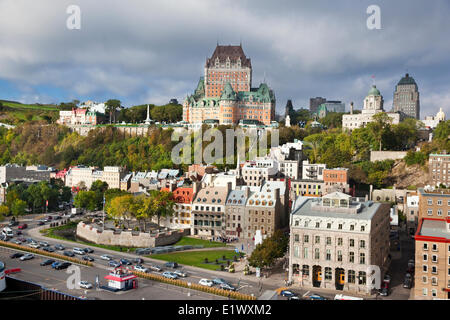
[225, 92]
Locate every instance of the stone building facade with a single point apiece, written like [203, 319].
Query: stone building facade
[336, 241]
[439, 168]
[373, 104]
[406, 97]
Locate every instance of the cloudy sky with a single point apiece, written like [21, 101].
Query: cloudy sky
[151, 51]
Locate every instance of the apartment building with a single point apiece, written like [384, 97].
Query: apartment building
[236, 213]
[183, 197]
[432, 255]
[336, 241]
[87, 175]
[439, 167]
[14, 172]
[256, 172]
[208, 211]
[336, 179]
[432, 259]
[313, 171]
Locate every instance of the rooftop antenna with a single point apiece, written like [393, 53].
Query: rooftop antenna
[373, 79]
[264, 81]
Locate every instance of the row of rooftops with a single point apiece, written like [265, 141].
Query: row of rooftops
[335, 205]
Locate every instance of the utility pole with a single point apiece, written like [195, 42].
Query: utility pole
[103, 224]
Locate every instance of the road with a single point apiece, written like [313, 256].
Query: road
[244, 285]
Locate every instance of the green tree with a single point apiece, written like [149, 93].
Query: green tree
[18, 208]
[379, 126]
[112, 106]
[4, 211]
[86, 200]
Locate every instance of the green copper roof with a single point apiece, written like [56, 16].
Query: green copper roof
[374, 91]
[228, 93]
[407, 80]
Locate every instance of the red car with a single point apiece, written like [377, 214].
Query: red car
[22, 226]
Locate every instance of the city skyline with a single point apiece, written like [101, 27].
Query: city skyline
[301, 50]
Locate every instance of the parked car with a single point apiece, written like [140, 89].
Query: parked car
[106, 257]
[12, 223]
[29, 240]
[227, 286]
[143, 251]
[69, 253]
[411, 263]
[125, 262]
[88, 250]
[155, 268]
[172, 265]
[316, 297]
[22, 226]
[138, 261]
[387, 278]
[17, 241]
[169, 275]
[180, 273]
[22, 239]
[49, 218]
[55, 264]
[28, 256]
[219, 281]
[16, 255]
[114, 264]
[206, 282]
[63, 265]
[41, 223]
[19, 233]
[287, 293]
[407, 283]
[85, 285]
[43, 243]
[140, 268]
[47, 262]
[78, 251]
[88, 258]
[59, 247]
[34, 245]
[48, 249]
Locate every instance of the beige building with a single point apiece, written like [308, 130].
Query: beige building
[256, 172]
[439, 167]
[87, 175]
[336, 241]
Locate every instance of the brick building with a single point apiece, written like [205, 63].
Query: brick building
[432, 239]
[225, 94]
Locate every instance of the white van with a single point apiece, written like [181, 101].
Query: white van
[78, 251]
[7, 232]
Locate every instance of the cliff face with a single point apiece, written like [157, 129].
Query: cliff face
[404, 176]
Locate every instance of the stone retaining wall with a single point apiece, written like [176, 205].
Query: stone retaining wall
[387, 155]
[128, 238]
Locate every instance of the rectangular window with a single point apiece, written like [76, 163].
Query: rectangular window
[328, 225]
[362, 244]
[434, 258]
[339, 256]
[425, 268]
[296, 252]
[328, 241]
[316, 254]
[296, 238]
[434, 247]
[317, 240]
[362, 258]
[425, 257]
[328, 256]
[351, 257]
[305, 238]
[352, 242]
[305, 253]
[425, 246]
[339, 241]
[425, 292]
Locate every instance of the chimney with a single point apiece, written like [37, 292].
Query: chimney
[247, 192]
[229, 186]
[370, 192]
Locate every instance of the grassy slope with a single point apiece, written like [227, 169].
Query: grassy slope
[17, 105]
[197, 258]
[196, 242]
